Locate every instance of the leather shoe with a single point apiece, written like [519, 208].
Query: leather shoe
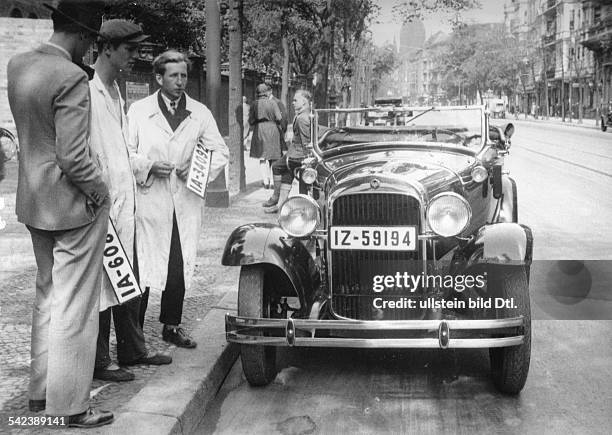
[154, 359]
[272, 209]
[116, 375]
[178, 337]
[270, 202]
[37, 405]
[90, 418]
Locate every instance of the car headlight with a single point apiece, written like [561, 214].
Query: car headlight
[479, 174]
[448, 214]
[309, 175]
[299, 216]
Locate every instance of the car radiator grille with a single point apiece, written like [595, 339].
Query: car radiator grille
[352, 271]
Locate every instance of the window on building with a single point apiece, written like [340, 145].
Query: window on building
[571, 22]
[16, 13]
[596, 14]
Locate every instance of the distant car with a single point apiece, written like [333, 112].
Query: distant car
[497, 108]
[408, 237]
[386, 111]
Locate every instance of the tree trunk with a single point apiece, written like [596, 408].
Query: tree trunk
[285, 45]
[545, 81]
[285, 71]
[562, 91]
[213, 56]
[237, 181]
[581, 105]
[320, 91]
[217, 194]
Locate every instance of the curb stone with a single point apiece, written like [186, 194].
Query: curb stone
[175, 400]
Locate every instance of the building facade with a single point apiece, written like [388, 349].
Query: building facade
[597, 38]
[566, 68]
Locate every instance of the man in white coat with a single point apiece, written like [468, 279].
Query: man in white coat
[117, 50]
[163, 131]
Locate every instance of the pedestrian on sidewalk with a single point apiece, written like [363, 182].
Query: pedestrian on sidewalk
[264, 118]
[246, 108]
[282, 125]
[163, 131]
[63, 201]
[117, 50]
[283, 168]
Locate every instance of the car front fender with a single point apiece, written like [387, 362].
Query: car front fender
[503, 243]
[268, 244]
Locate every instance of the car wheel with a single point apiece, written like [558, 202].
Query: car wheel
[258, 362]
[510, 365]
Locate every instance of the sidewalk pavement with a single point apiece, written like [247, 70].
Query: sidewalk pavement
[551, 120]
[166, 399]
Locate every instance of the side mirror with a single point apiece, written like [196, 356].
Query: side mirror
[509, 130]
[501, 137]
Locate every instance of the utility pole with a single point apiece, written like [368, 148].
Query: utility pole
[217, 194]
[236, 171]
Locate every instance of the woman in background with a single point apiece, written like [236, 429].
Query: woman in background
[264, 116]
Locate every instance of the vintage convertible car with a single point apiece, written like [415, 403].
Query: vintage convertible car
[408, 237]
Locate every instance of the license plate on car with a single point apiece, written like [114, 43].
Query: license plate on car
[373, 238]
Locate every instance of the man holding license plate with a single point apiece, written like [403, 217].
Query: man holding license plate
[164, 130]
[117, 51]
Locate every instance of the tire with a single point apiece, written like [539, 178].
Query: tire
[510, 365]
[258, 362]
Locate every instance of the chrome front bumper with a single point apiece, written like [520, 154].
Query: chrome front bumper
[246, 330]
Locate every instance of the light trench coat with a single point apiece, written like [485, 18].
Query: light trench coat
[151, 139]
[108, 136]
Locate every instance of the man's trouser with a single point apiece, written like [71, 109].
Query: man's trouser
[173, 296]
[285, 167]
[65, 314]
[130, 338]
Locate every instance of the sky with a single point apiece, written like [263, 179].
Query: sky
[492, 11]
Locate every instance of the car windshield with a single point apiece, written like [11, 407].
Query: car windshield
[449, 126]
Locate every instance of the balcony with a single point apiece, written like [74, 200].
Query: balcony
[549, 7]
[548, 39]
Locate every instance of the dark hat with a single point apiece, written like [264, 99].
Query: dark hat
[85, 14]
[122, 31]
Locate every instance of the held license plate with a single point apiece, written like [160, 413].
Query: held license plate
[118, 268]
[373, 238]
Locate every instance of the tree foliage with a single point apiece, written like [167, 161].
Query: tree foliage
[384, 61]
[482, 57]
[411, 10]
[313, 27]
[178, 24]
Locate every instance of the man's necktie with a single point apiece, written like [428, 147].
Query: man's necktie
[173, 107]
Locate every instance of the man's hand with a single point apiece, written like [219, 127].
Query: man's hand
[161, 169]
[183, 171]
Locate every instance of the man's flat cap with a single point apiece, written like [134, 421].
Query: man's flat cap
[122, 31]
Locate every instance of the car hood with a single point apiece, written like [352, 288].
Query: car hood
[431, 170]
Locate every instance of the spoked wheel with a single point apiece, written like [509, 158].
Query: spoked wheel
[258, 362]
[510, 365]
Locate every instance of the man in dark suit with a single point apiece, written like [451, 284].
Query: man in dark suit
[63, 201]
